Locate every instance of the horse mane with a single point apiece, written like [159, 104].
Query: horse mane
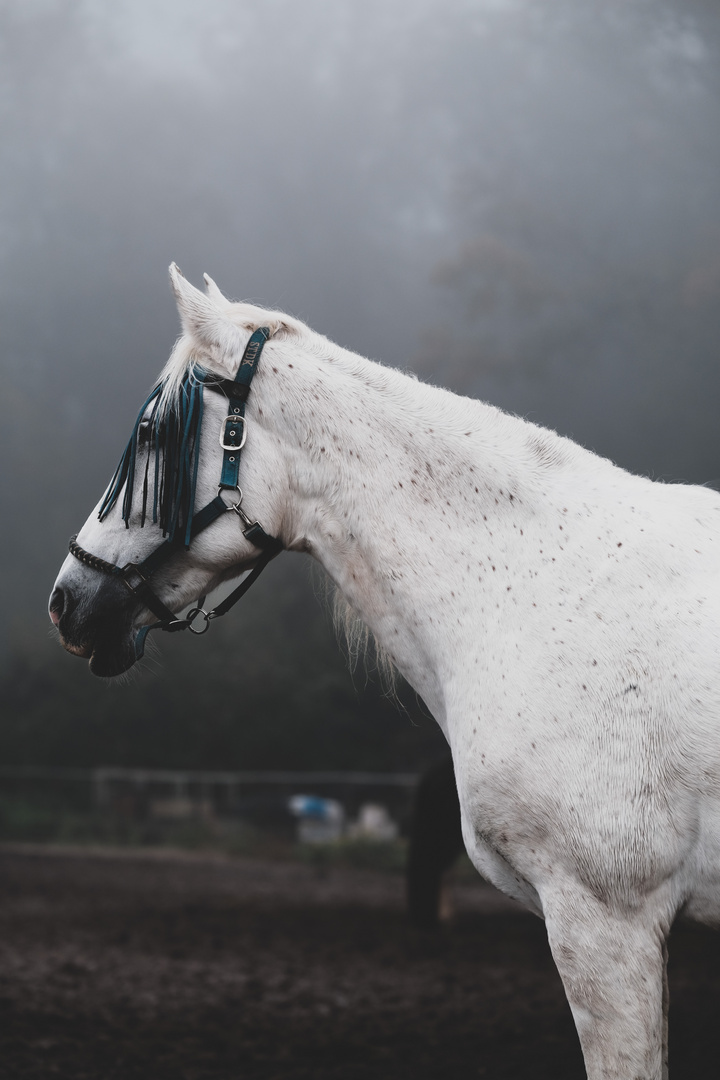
[356, 639]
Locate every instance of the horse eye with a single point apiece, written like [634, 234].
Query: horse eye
[144, 432]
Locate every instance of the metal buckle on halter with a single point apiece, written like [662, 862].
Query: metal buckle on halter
[231, 434]
[132, 568]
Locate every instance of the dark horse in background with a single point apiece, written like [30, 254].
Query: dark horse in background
[435, 843]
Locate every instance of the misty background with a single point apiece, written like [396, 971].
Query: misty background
[515, 199]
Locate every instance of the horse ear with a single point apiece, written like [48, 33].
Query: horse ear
[203, 321]
[214, 292]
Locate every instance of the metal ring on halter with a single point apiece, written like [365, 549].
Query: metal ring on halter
[236, 488]
[192, 615]
[237, 507]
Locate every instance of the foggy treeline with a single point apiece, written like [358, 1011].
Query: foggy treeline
[515, 199]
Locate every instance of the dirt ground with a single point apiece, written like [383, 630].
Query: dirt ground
[203, 968]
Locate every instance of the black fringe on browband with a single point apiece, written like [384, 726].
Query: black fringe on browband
[173, 454]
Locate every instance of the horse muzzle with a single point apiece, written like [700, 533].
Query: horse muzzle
[95, 625]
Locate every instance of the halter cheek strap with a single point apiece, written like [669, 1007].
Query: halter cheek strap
[135, 576]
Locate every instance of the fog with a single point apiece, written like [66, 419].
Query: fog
[517, 200]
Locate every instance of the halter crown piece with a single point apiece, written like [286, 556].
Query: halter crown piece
[174, 436]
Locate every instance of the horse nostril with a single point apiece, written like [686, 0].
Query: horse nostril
[56, 605]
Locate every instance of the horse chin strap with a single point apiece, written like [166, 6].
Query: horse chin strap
[135, 576]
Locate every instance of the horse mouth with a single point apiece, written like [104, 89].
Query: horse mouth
[107, 657]
[84, 651]
[105, 660]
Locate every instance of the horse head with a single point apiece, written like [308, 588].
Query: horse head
[174, 512]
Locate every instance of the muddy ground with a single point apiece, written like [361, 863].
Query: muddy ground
[201, 968]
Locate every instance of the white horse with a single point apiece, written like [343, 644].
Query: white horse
[559, 616]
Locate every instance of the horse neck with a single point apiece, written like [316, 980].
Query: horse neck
[392, 482]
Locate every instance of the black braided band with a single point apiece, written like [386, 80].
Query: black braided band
[93, 561]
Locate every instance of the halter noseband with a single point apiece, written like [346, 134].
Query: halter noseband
[135, 576]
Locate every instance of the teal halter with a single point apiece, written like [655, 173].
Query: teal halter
[174, 491]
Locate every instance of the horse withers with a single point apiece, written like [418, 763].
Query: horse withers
[559, 616]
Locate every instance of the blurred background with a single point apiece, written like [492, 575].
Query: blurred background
[515, 199]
